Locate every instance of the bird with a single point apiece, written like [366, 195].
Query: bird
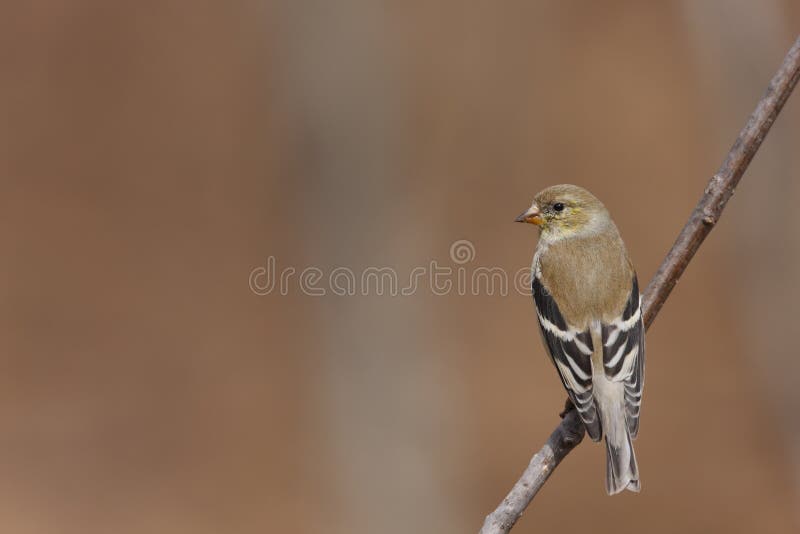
[589, 310]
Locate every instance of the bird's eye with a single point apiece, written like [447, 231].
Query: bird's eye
[558, 206]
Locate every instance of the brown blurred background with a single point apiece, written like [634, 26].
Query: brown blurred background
[155, 153]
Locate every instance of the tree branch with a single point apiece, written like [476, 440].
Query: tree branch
[569, 433]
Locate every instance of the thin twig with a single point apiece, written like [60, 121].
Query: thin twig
[720, 188]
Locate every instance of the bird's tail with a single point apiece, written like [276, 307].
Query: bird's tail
[621, 469]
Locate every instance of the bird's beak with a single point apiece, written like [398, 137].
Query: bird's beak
[531, 216]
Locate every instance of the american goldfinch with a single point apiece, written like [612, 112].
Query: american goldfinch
[589, 310]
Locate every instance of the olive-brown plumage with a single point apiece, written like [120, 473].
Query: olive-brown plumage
[588, 305]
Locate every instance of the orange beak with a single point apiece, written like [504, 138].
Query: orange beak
[531, 216]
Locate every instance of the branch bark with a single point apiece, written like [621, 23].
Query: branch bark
[705, 216]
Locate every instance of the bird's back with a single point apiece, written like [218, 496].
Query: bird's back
[591, 271]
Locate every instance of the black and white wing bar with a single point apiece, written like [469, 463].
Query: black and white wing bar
[623, 355]
[571, 351]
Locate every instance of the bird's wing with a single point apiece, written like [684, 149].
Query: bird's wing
[623, 355]
[571, 351]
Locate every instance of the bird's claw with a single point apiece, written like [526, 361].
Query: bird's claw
[568, 407]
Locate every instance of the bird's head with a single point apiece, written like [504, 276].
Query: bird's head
[565, 210]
